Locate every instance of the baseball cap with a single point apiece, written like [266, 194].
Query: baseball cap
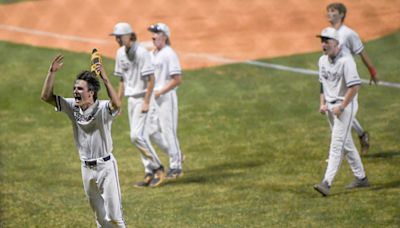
[329, 33]
[121, 28]
[160, 27]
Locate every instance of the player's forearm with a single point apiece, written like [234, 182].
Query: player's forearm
[47, 94]
[351, 92]
[367, 62]
[115, 102]
[174, 82]
[121, 90]
[150, 88]
[321, 99]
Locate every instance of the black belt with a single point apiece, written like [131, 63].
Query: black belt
[94, 162]
[334, 102]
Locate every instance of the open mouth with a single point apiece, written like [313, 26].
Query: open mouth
[78, 99]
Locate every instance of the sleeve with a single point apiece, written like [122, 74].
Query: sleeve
[118, 69]
[355, 44]
[107, 113]
[65, 105]
[174, 65]
[147, 65]
[320, 69]
[350, 72]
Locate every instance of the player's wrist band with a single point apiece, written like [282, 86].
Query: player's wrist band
[372, 71]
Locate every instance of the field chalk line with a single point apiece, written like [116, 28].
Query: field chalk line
[210, 57]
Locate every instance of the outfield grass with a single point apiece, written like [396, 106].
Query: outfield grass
[253, 139]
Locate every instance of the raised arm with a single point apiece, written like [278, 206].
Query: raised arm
[115, 101]
[47, 90]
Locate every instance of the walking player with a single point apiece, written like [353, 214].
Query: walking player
[339, 87]
[133, 66]
[168, 77]
[350, 42]
[91, 123]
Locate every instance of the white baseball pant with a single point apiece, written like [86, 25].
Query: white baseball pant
[101, 185]
[166, 135]
[139, 125]
[342, 143]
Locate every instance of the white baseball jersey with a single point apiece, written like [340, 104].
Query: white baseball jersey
[166, 64]
[92, 127]
[349, 41]
[134, 72]
[337, 76]
[92, 133]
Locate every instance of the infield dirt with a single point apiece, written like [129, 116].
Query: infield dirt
[204, 33]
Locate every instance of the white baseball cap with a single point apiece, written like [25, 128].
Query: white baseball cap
[160, 27]
[121, 28]
[330, 33]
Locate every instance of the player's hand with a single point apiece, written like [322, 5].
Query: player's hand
[100, 68]
[157, 94]
[145, 108]
[57, 63]
[323, 109]
[374, 79]
[336, 111]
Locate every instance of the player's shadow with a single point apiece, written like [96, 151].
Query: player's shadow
[383, 154]
[216, 173]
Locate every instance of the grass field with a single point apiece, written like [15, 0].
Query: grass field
[253, 139]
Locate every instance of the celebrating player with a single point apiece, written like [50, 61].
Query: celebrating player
[91, 123]
[133, 66]
[168, 77]
[339, 87]
[349, 42]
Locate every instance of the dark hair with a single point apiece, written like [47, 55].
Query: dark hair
[91, 80]
[339, 7]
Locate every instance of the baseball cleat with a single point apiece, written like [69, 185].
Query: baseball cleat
[364, 141]
[159, 176]
[358, 183]
[323, 188]
[146, 181]
[174, 173]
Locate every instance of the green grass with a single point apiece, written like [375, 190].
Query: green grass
[253, 139]
[14, 1]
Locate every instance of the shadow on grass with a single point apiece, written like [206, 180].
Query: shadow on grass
[373, 187]
[215, 173]
[386, 154]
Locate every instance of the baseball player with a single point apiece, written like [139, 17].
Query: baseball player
[136, 72]
[350, 42]
[91, 123]
[168, 76]
[338, 99]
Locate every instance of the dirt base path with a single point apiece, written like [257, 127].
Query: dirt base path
[204, 32]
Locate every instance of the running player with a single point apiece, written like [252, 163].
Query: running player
[350, 42]
[136, 72]
[91, 122]
[168, 77]
[339, 87]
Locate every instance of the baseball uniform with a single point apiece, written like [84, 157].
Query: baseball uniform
[92, 134]
[135, 72]
[166, 64]
[336, 77]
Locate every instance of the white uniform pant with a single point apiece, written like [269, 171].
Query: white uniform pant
[342, 143]
[139, 125]
[101, 185]
[165, 135]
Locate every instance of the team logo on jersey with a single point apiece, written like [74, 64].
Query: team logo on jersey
[81, 118]
[328, 75]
